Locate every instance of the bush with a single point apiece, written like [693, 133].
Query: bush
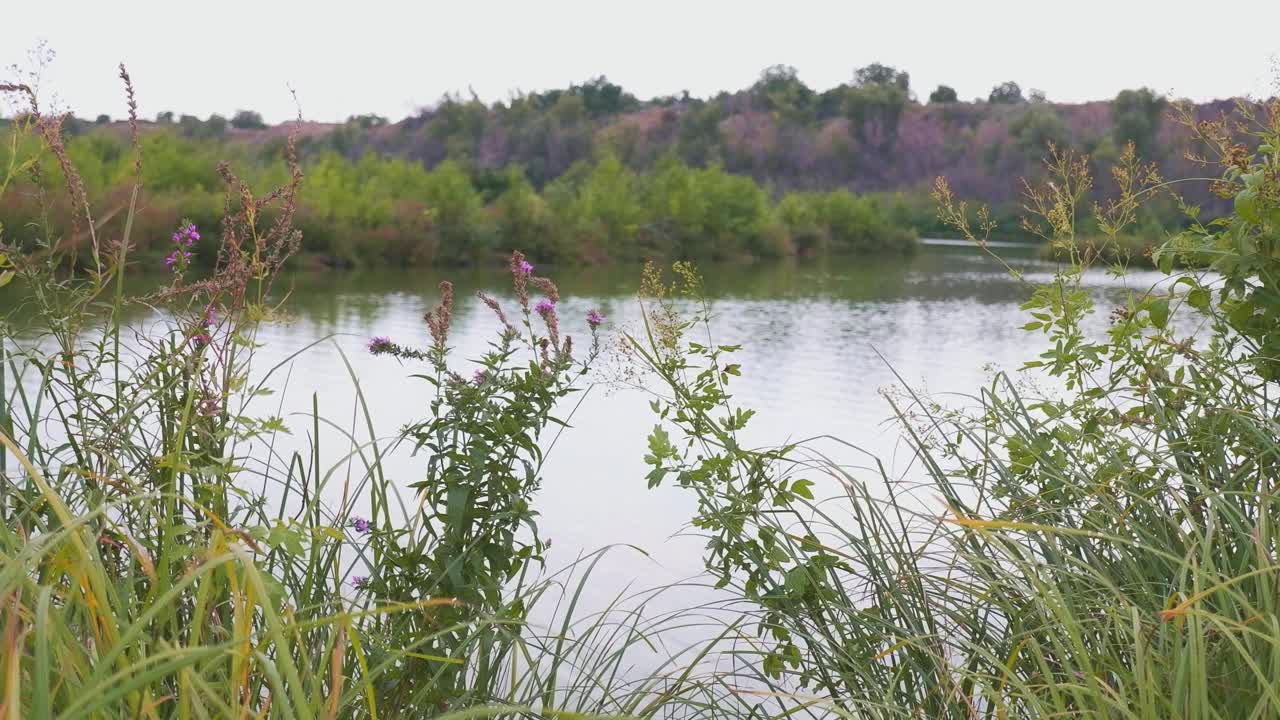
[247, 120]
[162, 559]
[943, 94]
[1006, 93]
[1104, 548]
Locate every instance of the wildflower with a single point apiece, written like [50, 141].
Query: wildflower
[362, 526]
[595, 318]
[201, 340]
[497, 310]
[480, 376]
[360, 582]
[547, 287]
[545, 307]
[379, 345]
[187, 235]
[177, 259]
[520, 278]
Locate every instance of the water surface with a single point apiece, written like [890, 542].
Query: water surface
[821, 342]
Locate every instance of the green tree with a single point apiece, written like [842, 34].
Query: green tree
[247, 120]
[943, 94]
[1006, 93]
[216, 124]
[782, 92]
[601, 97]
[797, 213]
[699, 139]
[523, 219]
[1035, 128]
[606, 213]
[1135, 117]
[878, 74]
[367, 121]
[875, 104]
[454, 210]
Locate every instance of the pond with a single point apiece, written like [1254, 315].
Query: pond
[821, 343]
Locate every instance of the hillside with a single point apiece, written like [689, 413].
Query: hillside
[591, 173]
[868, 137]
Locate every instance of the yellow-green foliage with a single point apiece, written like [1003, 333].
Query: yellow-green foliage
[385, 210]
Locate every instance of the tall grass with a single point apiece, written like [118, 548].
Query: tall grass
[1103, 549]
[165, 555]
[1106, 548]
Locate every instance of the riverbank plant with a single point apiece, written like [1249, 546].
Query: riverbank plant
[174, 547]
[1095, 536]
[1100, 543]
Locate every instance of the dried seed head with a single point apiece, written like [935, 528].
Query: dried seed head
[438, 319]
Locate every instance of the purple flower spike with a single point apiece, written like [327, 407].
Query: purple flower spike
[545, 307]
[177, 258]
[187, 235]
[526, 267]
[359, 582]
[379, 345]
[595, 318]
[362, 526]
[480, 376]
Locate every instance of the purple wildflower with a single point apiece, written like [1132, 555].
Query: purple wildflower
[176, 259]
[201, 340]
[379, 345]
[479, 376]
[545, 307]
[526, 267]
[362, 526]
[360, 582]
[595, 318]
[187, 235]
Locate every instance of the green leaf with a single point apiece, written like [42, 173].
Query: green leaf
[1199, 299]
[801, 488]
[660, 444]
[1247, 206]
[1159, 312]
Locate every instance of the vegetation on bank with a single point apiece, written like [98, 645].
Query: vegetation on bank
[386, 211]
[1106, 548]
[591, 173]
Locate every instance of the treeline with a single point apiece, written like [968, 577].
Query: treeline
[875, 133]
[385, 210]
[592, 173]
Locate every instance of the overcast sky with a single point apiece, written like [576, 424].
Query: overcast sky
[391, 58]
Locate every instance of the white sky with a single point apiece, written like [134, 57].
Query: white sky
[391, 58]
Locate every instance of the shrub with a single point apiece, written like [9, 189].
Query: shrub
[1099, 550]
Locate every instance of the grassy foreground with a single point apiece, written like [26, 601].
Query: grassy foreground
[1107, 549]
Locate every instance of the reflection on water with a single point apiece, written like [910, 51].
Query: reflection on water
[820, 341]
